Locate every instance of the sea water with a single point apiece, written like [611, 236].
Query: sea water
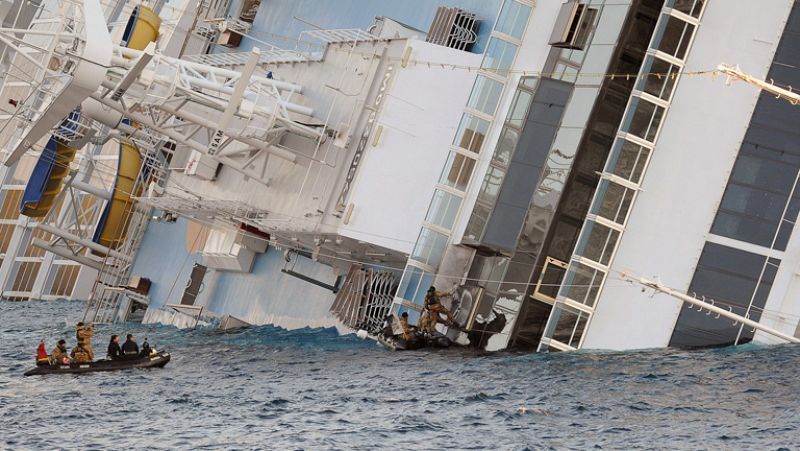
[268, 388]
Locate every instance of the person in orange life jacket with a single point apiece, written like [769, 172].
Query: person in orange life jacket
[41, 354]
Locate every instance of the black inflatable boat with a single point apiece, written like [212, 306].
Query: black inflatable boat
[420, 340]
[157, 360]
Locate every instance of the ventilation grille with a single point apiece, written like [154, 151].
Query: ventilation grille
[454, 28]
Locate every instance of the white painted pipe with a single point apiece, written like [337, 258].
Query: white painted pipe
[101, 113]
[83, 242]
[132, 53]
[712, 308]
[91, 189]
[191, 117]
[82, 259]
[201, 83]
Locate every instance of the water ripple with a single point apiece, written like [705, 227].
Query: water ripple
[266, 387]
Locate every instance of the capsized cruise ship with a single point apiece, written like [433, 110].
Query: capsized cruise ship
[588, 174]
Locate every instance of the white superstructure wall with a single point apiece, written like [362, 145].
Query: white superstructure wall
[409, 144]
[687, 175]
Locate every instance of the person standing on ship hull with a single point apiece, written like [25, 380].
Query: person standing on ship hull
[434, 308]
[84, 336]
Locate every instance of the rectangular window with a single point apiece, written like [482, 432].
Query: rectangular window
[627, 160]
[519, 108]
[443, 209]
[485, 95]
[471, 132]
[513, 18]
[477, 222]
[753, 202]
[613, 201]
[490, 187]
[672, 36]
[582, 283]
[430, 247]
[689, 7]
[643, 119]
[410, 283]
[573, 25]
[498, 56]
[766, 174]
[457, 171]
[659, 79]
[414, 284]
[597, 242]
[744, 228]
[732, 278]
[506, 145]
[570, 326]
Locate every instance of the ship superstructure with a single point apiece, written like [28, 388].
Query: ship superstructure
[267, 164]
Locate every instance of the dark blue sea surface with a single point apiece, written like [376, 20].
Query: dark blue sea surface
[267, 388]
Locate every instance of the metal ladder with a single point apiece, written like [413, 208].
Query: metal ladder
[104, 303]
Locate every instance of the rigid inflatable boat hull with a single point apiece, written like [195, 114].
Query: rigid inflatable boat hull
[154, 361]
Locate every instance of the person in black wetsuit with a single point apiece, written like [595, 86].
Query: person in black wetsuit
[114, 351]
[130, 350]
[145, 348]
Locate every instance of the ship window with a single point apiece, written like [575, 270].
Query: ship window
[471, 132]
[485, 95]
[754, 202]
[613, 201]
[582, 283]
[672, 36]
[787, 224]
[443, 209]
[627, 160]
[764, 173]
[499, 56]
[690, 7]
[573, 25]
[414, 284]
[643, 119]
[570, 326]
[490, 187]
[566, 72]
[597, 242]
[661, 78]
[430, 247]
[745, 228]
[506, 145]
[477, 222]
[732, 277]
[519, 108]
[457, 171]
[513, 18]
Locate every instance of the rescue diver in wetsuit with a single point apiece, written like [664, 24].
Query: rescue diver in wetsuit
[433, 310]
